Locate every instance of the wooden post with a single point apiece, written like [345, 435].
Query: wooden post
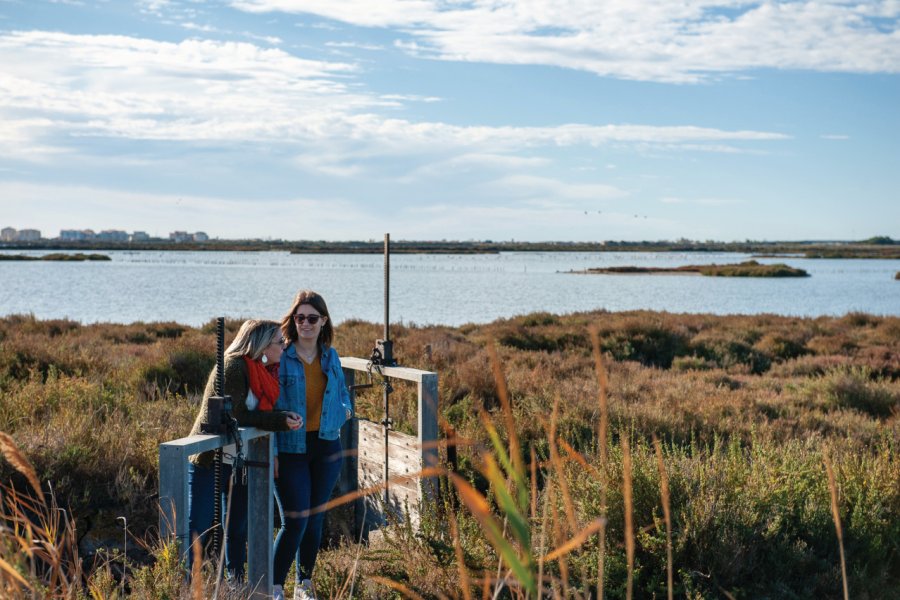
[260, 491]
[428, 431]
[173, 497]
[349, 481]
[173, 494]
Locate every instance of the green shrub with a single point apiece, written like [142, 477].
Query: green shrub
[650, 344]
[780, 347]
[691, 363]
[167, 330]
[728, 353]
[854, 389]
[184, 370]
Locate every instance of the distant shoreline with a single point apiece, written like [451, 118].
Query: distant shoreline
[757, 249]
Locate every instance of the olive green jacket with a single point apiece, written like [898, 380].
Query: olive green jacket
[237, 385]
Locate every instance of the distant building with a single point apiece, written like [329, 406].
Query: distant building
[8, 234]
[140, 236]
[200, 236]
[113, 235]
[180, 236]
[76, 235]
[28, 235]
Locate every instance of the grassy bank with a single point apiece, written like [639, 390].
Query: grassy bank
[747, 410]
[57, 256]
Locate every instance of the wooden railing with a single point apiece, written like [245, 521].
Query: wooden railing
[408, 455]
[173, 498]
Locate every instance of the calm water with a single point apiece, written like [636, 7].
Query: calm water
[194, 287]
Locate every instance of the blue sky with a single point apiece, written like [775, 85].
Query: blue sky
[452, 119]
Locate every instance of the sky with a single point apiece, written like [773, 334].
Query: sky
[535, 120]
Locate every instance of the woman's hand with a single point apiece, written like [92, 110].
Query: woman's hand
[293, 420]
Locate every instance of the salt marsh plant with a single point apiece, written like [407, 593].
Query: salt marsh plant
[733, 498]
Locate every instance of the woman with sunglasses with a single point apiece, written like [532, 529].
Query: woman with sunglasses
[251, 368]
[309, 458]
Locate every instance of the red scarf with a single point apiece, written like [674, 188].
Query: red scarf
[263, 383]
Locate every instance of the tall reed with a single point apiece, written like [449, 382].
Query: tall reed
[836, 515]
[628, 501]
[667, 516]
[602, 443]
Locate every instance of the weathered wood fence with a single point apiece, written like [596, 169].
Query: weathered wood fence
[363, 467]
[407, 454]
[173, 498]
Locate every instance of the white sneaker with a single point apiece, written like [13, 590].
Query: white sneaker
[277, 592]
[304, 590]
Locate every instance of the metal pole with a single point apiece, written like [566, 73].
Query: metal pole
[217, 460]
[387, 345]
[387, 286]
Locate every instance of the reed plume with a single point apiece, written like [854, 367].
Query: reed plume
[17, 459]
[602, 433]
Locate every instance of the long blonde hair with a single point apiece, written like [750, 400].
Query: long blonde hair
[254, 336]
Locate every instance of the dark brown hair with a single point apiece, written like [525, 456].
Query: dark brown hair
[326, 334]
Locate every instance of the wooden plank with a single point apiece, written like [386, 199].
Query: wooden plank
[371, 473]
[408, 460]
[369, 430]
[403, 498]
[260, 516]
[404, 373]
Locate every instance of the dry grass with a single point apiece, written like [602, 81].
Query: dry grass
[742, 407]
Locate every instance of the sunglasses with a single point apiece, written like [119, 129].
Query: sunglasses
[313, 319]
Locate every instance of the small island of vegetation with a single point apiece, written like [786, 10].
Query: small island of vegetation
[750, 268]
[57, 256]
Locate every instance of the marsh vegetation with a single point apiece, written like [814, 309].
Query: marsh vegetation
[613, 451]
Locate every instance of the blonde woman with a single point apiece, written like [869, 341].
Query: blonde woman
[251, 379]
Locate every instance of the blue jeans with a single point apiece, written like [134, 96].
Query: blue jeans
[201, 485]
[304, 481]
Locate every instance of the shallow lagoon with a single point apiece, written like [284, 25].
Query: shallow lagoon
[194, 287]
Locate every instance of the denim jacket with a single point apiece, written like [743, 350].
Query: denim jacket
[292, 396]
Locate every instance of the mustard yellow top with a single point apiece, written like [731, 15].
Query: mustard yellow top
[315, 392]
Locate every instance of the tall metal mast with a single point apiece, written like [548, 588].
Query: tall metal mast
[388, 359]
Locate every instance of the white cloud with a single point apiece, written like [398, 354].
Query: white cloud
[57, 89]
[410, 98]
[834, 136]
[655, 40]
[354, 45]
